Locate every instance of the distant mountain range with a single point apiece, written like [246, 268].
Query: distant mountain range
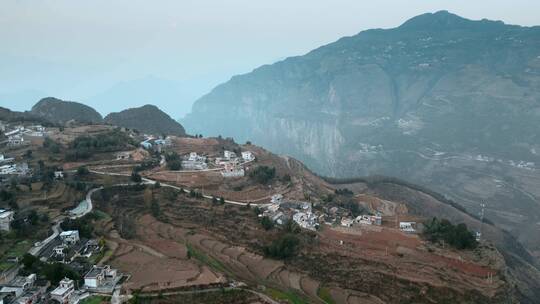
[147, 119]
[443, 101]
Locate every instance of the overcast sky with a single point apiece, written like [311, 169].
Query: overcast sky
[113, 54]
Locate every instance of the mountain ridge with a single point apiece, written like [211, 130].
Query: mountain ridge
[453, 107]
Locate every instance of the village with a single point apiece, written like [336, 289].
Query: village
[214, 170]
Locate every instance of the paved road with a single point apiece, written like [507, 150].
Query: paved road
[56, 231]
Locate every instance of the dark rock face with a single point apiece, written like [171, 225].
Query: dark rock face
[60, 111]
[147, 119]
[442, 101]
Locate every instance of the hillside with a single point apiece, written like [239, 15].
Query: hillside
[148, 118]
[442, 101]
[393, 266]
[198, 229]
[60, 111]
[8, 115]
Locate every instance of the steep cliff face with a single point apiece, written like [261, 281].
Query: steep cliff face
[447, 102]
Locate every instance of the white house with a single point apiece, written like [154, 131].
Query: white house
[63, 292]
[58, 174]
[97, 276]
[347, 222]
[15, 140]
[19, 285]
[8, 169]
[231, 170]
[70, 237]
[407, 227]
[123, 155]
[369, 219]
[6, 217]
[277, 199]
[229, 154]
[248, 156]
[306, 220]
[59, 250]
[194, 162]
[14, 132]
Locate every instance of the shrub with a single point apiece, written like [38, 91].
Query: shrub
[262, 174]
[286, 246]
[267, 223]
[82, 171]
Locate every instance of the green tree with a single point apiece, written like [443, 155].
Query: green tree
[267, 223]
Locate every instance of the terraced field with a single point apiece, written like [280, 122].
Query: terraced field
[194, 243]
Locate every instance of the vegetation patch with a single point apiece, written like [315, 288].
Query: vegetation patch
[205, 259]
[262, 174]
[324, 294]
[457, 236]
[289, 296]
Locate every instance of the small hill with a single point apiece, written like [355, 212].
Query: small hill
[148, 119]
[15, 116]
[60, 111]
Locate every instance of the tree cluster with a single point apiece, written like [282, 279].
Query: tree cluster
[286, 246]
[84, 146]
[174, 161]
[262, 174]
[53, 272]
[457, 236]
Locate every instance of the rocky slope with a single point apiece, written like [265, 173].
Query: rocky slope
[148, 118]
[443, 101]
[59, 111]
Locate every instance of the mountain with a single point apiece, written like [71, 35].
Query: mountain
[441, 101]
[60, 111]
[148, 118]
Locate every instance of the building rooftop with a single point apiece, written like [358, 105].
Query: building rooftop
[69, 232]
[94, 272]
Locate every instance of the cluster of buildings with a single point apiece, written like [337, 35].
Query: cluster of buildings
[281, 210]
[99, 279]
[156, 143]
[7, 167]
[16, 136]
[362, 220]
[14, 169]
[194, 161]
[68, 246]
[230, 164]
[23, 290]
[64, 248]
[29, 290]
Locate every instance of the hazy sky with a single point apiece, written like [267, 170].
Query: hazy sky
[116, 54]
